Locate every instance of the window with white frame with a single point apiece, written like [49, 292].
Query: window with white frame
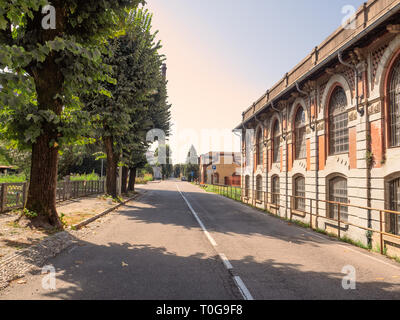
[260, 147]
[300, 134]
[275, 190]
[338, 193]
[247, 186]
[276, 142]
[259, 188]
[394, 199]
[394, 108]
[338, 120]
[300, 193]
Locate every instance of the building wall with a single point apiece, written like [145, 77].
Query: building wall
[368, 165]
[224, 167]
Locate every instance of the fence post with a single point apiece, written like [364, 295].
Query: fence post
[291, 207]
[339, 221]
[24, 194]
[316, 213]
[381, 229]
[3, 198]
[311, 224]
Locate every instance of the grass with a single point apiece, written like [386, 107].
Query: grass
[145, 179]
[85, 177]
[226, 192]
[13, 178]
[75, 218]
[20, 178]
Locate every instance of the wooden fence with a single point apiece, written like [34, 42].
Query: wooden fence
[13, 195]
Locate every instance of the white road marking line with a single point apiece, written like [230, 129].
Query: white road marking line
[243, 289]
[210, 238]
[239, 282]
[226, 262]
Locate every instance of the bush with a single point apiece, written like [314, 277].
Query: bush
[85, 177]
[14, 178]
[145, 179]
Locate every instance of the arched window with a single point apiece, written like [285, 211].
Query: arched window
[276, 142]
[260, 148]
[275, 190]
[338, 118]
[300, 191]
[259, 188]
[246, 186]
[338, 193]
[394, 107]
[394, 199]
[300, 134]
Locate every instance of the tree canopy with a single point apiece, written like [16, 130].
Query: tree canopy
[45, 69]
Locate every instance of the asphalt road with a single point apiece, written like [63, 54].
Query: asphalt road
[179, 242]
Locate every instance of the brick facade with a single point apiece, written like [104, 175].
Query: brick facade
[370, 162]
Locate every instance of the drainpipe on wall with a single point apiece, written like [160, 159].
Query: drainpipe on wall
[316, 159]
[241, 156]
[284, 138]
[357, 77]
[310, 119]
[263, 131]
[287, 168]
[280, 114]
[313, 126]
[361, 112]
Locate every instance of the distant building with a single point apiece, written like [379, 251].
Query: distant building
[157, 175]
[220, 168]
[7, 169]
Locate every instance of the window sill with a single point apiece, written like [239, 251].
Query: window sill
[299, 213]
[343, 226]
[338, 154]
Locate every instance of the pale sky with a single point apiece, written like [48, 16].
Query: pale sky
[222, 55]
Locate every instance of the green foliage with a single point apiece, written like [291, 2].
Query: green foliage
[144, 179]
[63, 221]
[80, 159]
[137, 101]
[29, 214]
[15, 178]
[71, 56]
[85, 177]
[10, 156]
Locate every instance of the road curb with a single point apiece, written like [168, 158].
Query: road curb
[99, 215]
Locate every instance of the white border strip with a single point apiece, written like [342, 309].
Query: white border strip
[210, 238]
[243, 289]
[226, 262]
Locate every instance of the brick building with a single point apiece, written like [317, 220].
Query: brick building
[220, 168]
[330, 130]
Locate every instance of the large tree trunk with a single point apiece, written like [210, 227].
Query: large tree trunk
[43, 183]
[112, 167]
[124, 179]
[132, 179]
[43, 180]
